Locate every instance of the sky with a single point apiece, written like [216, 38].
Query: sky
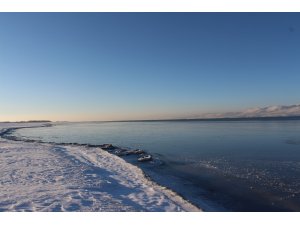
[119, 66]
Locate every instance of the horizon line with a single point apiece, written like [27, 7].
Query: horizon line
[171, 119]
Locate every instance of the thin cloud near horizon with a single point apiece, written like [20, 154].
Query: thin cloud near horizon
[268, 111]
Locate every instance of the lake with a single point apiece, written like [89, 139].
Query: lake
[217, 165]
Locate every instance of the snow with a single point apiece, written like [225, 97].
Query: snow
[49, 177]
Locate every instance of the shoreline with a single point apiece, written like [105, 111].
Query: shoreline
[169, 197]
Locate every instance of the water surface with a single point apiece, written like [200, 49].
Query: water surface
[218, 165]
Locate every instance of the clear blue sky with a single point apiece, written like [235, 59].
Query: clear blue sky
[107, 66]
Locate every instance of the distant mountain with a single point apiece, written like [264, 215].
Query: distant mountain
[39, 121]
[32, 121]
[269, 111]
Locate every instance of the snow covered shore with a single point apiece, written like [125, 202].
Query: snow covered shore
[49, 177]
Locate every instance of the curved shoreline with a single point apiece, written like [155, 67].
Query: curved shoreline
[172, 195]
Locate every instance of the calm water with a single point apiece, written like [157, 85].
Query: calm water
[239, 166]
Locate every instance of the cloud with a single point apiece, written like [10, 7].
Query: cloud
[280, 110]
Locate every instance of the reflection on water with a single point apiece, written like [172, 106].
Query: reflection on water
[232, 165]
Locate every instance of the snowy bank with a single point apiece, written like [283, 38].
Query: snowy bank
[50, 177]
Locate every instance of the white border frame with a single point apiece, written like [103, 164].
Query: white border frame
[128, 218]
[149, 6]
